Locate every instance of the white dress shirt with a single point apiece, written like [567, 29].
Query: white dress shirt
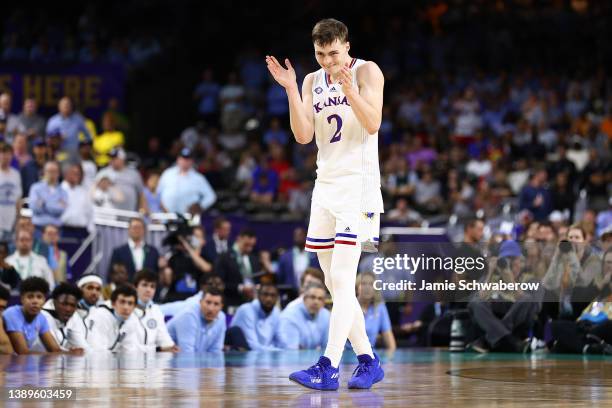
[137, 253]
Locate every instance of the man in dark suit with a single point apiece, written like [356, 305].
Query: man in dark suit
[293, 263]
[240, 269]
[135, 254]
[219, 241]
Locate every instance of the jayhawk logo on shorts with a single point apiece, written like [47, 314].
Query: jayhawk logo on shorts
[151, 324]
[368, 216]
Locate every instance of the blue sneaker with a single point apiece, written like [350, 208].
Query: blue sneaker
[368, 372]
[321, 376]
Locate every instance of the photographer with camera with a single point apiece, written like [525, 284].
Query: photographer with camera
[505, 317]
[571, 279]
[186, 262]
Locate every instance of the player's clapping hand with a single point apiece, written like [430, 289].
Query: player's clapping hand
[76, 351]
[284, 76]
[346, 79]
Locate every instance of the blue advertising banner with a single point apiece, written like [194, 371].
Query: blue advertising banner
[89, 85]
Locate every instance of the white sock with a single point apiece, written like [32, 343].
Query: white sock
[343, 272]
[357, 335]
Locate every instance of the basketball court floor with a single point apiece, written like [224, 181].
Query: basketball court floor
[414, 378]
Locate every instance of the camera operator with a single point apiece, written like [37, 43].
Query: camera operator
[570, 281]
[186, 262]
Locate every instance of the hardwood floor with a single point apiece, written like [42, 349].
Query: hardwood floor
[414, 378]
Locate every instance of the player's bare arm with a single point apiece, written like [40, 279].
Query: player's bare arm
[367, 99]
[300, 107]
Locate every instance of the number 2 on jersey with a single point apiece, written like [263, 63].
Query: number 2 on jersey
[337, 135]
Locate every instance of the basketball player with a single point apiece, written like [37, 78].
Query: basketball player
[341, 104]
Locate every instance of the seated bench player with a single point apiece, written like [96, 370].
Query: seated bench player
[60, 312]
[114, 328]
[25, 324]
[201, 327]
[255, 325]
[304, 325]
[152, 334]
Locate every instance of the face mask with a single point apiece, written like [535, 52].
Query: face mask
[195, 242]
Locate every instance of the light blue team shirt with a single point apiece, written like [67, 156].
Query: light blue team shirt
[377, 321]
[192, 333]
[179, 192]
[260, 330]
[298, 329]
[48, 203]
[15, 321]
[69, 127]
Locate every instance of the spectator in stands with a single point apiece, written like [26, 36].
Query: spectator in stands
[275, 133]
[201, 326]
[9, 276]
[293, 263]
[592, 332]
[32, 171]
[255, 325]
[69, 124]
[136, 254]
[219, 242]
[25, 223]
[78, 217]
[26, 262]
[231, 97]
[183, 189]
[505, 318]
[109, 139]
[5, 343]
[153, 334]
[151, 193]
[118, 276]
[304, 325]
[47, 199]
[206, 94]
[240, 269]
[562, 195]
[88, 166]
[535, 196]
[265, 183]
[21, 154]
[29, 122]
[127, 180]
[105, 193]
[10, 193]
[25, 324]
[60, 312]
[427, 193]
[377, 321]
[6, 106]
[403, 214]
[58, 258]
[115, 328]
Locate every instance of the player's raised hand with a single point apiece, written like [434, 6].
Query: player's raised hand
[284, 76]
[346, 79]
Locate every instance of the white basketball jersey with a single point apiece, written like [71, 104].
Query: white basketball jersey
[348, 174]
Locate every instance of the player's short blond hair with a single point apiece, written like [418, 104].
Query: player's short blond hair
[328, 30]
